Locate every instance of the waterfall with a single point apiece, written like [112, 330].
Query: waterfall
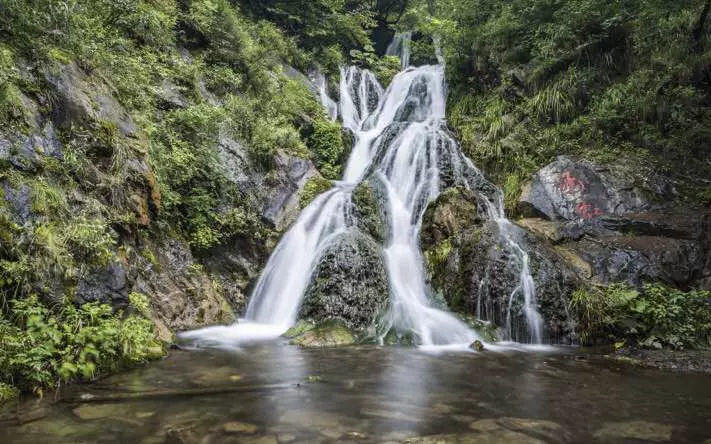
[319, 80]
[400, 47]
[400, 138]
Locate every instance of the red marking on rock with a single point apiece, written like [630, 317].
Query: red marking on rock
[588, 211]
[570, 184]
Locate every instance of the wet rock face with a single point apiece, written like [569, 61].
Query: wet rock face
[79, 101]
[475, 272]
[105, 285]
[277, 192]
[349, 284]
[183, 296]
[281, 191]
[24, 151]
[616, 226]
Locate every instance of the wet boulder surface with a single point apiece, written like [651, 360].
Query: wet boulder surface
[349, 284]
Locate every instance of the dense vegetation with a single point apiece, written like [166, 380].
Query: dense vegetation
[611, 80]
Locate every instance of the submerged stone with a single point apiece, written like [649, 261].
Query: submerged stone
[239, 427]
[505, 437]
[327, 335]
[642, 430]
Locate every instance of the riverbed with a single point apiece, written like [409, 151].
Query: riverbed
[276, 393]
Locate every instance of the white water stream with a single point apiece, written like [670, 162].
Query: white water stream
[401, 139]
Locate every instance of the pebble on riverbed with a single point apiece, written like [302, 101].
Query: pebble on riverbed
[642, 430]
[239, 427]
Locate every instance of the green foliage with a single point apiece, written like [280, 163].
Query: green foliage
[385, 69]
[326, 143]
[655, 317]
[345, 23]
[312, 189]
[533, 79]
[140, 303]
[7, 392]
[44, 348]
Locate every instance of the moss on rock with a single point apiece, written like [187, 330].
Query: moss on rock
[328, 334]
[350, 283]
[371, 219]
[313, 188]
[299, 329]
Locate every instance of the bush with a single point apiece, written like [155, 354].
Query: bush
[326, 143]
[655, 317]
[40, 347]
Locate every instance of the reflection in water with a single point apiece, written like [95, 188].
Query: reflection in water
[280, 394]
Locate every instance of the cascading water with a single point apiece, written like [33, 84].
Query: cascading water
[401, 139]
[331, 106]
[400, 47]
[526, 285]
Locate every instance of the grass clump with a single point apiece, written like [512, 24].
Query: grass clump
[326, 143]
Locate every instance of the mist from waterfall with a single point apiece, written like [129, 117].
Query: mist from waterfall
[401, 140]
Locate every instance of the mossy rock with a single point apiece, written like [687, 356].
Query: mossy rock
[451, 228]
[350, 283]
[300, 328]
[331, 334]
[314, 187]
[402, 338]
[371, 219]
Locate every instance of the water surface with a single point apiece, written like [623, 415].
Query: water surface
[278, 393]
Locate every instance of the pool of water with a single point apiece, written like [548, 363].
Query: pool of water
[276, 393]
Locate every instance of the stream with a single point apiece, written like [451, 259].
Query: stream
[274, 393]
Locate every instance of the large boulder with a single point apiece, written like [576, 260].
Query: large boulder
[349, 285]
[618, 223]
[476, 270]
[106, 285]
[576, 189]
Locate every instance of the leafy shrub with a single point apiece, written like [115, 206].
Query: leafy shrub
[655, 317]
[326, 142]
[7, 392]
[45, 348]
